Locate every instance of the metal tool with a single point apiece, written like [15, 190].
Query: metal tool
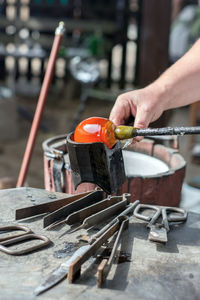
[125, 212]
[40, 105]
[46, 207]
[95, 163]
[170, 215]
[66, 210]
[63, 270]
[105, 214]
[127, 132]
[60, 273]
[75, 267]
[25, 235]
[106, 264]
[23, 230]
[85, 215]
[86, 251]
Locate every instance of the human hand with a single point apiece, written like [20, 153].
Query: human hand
[143, 104]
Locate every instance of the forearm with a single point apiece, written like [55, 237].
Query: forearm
[180, 84]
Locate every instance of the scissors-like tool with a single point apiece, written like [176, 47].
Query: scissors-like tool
[24, 234]
[170, 215]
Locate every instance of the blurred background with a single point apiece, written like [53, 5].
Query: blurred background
[109, 47]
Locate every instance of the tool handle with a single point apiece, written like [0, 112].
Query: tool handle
[181, 214]
[23, 238]
[139, 214]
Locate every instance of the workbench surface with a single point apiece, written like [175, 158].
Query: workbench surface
[170, 271]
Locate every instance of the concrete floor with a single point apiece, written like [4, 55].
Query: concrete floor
[57, 118]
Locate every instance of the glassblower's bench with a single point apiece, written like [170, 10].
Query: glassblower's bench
[170, 271]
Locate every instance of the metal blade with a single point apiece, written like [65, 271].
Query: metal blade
[47, 206]
[80, 215]
[61, 272]
[66, 210]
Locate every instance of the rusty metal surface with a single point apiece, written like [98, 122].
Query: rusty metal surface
[155, 271]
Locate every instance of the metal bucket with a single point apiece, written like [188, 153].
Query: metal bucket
[154, 172]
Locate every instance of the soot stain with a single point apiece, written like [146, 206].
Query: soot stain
[67, 250]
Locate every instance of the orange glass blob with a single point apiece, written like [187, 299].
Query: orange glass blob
[94, 130]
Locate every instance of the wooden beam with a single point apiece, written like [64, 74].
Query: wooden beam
[153, 40]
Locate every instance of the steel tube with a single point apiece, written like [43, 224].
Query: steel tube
[40, 105]
[127, 132]
[168, 131]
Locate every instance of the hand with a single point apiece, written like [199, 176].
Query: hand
[143, 104]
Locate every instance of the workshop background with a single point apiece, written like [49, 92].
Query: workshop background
[125, 44]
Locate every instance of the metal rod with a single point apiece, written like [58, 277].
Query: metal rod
[168, 131]
[106, 264]
[125, 212]
[127, 132]
[40, 105]
[105, 214]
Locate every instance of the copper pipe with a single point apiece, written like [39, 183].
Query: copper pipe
[40, 105]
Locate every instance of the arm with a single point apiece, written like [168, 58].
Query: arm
[178, 86]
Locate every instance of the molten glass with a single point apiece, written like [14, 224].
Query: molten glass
[94, 130]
